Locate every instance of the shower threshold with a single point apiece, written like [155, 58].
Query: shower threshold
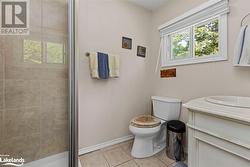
[58, 160]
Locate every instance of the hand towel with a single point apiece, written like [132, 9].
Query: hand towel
[245, 56]
[239, 45]
[103, 65]
[93, 59]
[114, 66]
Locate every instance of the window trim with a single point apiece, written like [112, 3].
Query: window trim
[204, 13]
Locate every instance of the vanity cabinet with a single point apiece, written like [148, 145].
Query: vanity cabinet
[215, 141]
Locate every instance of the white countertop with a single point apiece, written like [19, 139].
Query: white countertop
[201, 105]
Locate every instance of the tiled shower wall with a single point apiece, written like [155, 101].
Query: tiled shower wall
[33, 95]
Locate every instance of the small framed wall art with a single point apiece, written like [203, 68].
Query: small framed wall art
[141, 51]
[126, 43]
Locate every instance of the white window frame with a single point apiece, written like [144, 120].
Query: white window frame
[209, 11]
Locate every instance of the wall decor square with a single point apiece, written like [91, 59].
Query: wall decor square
[141, 51]
[126, 43]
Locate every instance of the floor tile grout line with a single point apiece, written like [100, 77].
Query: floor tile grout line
[165, 163]
[136, 163]
[123, 163]
[132, 158]
[162, 162]
[123, 151]
[102, 152]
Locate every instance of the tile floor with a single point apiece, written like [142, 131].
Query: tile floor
[119, 156]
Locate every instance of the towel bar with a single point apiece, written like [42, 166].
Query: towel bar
[87, 54]
[243, 19]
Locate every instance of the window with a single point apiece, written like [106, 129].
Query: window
[43, 52]
[180, 44]
[198, 36]
[206, 39]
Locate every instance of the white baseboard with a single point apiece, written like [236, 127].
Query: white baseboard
[105, 144]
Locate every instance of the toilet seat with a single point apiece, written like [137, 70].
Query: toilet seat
[145, 121]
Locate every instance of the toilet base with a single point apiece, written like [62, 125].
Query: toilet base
[148, 146]
[144, 147]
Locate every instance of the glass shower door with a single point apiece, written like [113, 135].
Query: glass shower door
[34, 88]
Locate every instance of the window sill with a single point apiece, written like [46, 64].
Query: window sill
[241, 65]
[182, 62]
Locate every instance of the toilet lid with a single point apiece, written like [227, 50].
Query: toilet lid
[145, 121]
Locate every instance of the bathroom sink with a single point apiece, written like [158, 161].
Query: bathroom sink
[233, 101]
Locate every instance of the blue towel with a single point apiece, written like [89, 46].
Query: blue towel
[103, 65]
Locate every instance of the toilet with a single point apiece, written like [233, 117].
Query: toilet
[149, 133]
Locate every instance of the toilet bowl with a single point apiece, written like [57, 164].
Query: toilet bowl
[146, 135]
[149, 131]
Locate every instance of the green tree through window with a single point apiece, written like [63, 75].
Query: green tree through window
[181, 44]
[207, 39]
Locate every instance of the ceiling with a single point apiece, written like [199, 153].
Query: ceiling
[150, 4]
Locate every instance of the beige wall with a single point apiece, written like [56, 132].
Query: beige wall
[106, 107]
[192, 81]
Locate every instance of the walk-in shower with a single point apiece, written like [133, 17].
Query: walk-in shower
[37, 87]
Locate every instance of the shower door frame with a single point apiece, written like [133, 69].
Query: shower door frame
[73, 86]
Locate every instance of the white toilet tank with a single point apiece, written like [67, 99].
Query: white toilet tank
[166, 108]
